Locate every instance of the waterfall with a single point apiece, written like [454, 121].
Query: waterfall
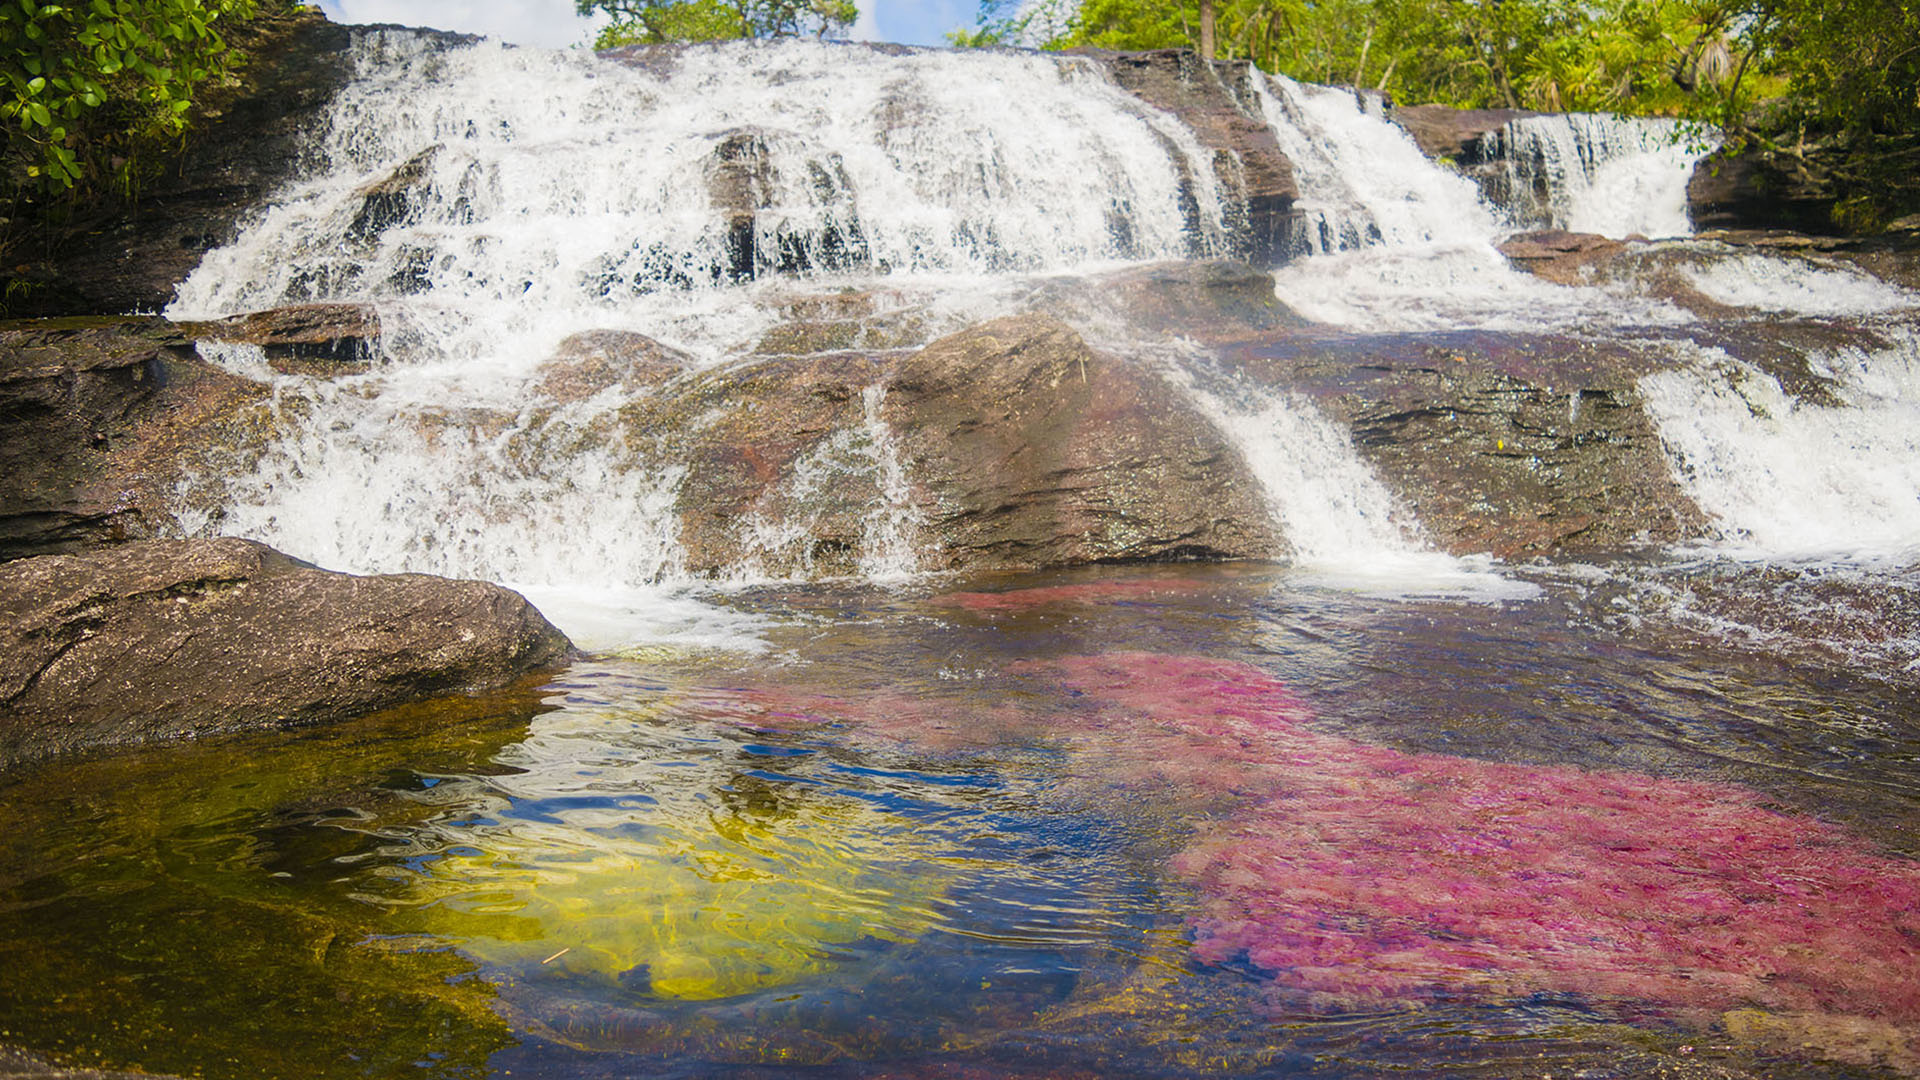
[491, 201]
[1346, 530]
[1833, 472]
[1592, 172]
[1395, 241]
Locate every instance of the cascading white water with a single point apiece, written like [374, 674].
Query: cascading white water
[1789, 478]
[492, 201]
[1593, 172]
[1344, 527]
[1397, 242]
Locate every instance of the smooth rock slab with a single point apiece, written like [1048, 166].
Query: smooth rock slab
[174, 638]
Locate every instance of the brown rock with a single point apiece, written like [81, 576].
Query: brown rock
[586, 363]
[1216, 102]
[1031, 450]
[781, 474]
[1453, 134]
[1557, 255]
[1513, 444]
[96, 416]
[304, 339]
[174, 638]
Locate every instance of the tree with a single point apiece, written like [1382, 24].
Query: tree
[92, 85]
[650, 22]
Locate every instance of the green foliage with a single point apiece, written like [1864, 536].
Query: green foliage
[92, 85]
[1625, 55]
[1830, 88]
[651, 22]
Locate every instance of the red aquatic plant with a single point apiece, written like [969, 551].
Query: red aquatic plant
[1360, 875]
[1092, 592]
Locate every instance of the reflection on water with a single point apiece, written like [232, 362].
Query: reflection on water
[1158, 823]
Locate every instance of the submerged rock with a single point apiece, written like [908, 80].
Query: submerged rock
[20, 1065]
[175, 638]
[1210, 301]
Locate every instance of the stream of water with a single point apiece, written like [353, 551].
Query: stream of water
[1366, 808]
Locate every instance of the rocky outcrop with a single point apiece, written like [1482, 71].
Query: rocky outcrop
[1216, 102]
[173, 638]
[302, 339]
[95, 417]
[1518, 445]
[1033, 450]
[1758, 189]
[1011, 445]
[245, 143]
[1452, 134]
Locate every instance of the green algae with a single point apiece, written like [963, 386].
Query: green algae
[701, 879]
[149, 921]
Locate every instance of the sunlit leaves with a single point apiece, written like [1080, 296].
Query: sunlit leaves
[84, 87]
[649, 22]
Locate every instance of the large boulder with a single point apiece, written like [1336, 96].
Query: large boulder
[96, 416]
[1030, 449]
[1011, 445]
[171, 638]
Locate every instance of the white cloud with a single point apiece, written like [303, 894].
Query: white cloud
[550, 23]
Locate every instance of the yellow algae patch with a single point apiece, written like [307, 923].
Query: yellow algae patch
[692, 901]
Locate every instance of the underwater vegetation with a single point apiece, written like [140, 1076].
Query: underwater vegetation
[1359, 876]
[595, 861]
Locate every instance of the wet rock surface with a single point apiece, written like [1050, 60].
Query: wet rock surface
[1212, 301]
[1216, 102]
[96, 416]
[1442, 131]
[1009, 445]
[303, 339]
[1034, 450]
[1518, 445]
[175, 638]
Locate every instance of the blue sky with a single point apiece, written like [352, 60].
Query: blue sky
[552, 22]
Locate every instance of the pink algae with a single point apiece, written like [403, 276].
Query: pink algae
[1362, 876]
[1094, 592]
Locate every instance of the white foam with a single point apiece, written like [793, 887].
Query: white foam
[1347, 531]
[1789, 479]
[1617, 176]
[1773, 283]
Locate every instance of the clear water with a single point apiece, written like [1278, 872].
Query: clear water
[989, 828]
[1367, 809]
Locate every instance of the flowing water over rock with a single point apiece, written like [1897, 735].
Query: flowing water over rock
[1547, 704]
